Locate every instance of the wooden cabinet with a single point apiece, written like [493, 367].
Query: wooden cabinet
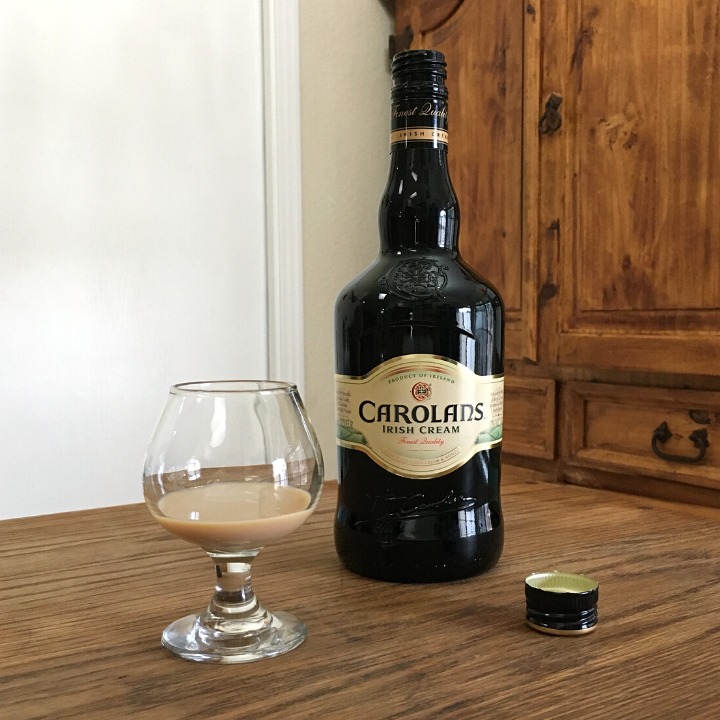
[614, 428]
[633, 178]
[585, 151]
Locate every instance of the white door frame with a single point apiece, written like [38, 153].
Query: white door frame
[281, 60]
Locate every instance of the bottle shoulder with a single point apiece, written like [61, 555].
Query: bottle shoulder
[416, 279]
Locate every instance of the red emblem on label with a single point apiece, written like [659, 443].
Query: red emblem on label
[421, 391]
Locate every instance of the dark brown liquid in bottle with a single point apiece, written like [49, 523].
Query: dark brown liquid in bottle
[388, 526]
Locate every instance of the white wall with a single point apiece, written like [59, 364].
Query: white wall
[131, 231]
[345, 105]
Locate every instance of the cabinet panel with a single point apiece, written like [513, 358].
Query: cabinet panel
[634, 177]
[529, 417]
[613, 427]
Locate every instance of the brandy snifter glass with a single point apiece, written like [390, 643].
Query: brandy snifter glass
[233, 466]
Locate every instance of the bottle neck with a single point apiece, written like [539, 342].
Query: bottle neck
[419, 210]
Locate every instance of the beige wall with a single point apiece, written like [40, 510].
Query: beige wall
[345, 86]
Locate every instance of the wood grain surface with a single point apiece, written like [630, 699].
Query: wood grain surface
[85, 596]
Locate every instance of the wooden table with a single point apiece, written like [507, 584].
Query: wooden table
[85, 596]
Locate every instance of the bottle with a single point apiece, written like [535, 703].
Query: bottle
[419, 369]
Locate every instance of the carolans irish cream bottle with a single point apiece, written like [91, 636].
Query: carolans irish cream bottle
[419, 369]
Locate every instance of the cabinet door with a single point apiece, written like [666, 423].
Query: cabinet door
[629, 211]
[483, 45]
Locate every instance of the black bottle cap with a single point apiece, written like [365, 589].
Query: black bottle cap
[561, 603]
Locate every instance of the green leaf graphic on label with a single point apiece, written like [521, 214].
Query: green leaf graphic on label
[351, 435]
[492, 435]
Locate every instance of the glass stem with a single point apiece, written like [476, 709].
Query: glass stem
[234, 608]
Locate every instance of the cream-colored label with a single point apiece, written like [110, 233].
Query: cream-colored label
[419, 416]
[419, 134]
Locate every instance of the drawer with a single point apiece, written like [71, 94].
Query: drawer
[529, 417]
[656, 432]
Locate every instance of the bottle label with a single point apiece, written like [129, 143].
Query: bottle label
[414, 120]
[419, 416]
[419, 134]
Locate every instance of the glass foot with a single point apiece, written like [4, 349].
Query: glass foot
[191, 640]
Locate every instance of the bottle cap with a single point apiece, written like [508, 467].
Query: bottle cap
[561, 603]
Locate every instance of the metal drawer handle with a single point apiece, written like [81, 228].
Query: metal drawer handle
[699, 438]
[551, 120]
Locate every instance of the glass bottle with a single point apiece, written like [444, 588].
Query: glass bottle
[419, 369]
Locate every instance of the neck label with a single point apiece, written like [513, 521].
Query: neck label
[419, 134]
[416, 120]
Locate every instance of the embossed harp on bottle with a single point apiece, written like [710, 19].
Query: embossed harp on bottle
[419, 368]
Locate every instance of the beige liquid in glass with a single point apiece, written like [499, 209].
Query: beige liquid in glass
[232, 516]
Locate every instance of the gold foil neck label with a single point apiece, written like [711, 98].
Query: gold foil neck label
[419, 416]
[419, 134]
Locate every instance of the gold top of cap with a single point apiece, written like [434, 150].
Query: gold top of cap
[561, 582]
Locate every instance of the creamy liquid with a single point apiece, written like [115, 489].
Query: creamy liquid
[232, 516]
